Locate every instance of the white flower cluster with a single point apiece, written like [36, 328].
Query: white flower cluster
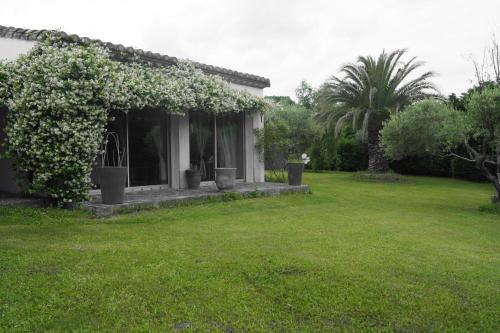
[59, 96]
[4, 83]
[305, 158]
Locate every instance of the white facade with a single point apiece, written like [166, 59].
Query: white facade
[179, 157]
[252, 90]
[11, 48]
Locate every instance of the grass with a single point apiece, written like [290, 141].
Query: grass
[353, 256]
[490, 208]
[388, 177]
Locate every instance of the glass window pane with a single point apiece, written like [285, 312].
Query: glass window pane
[148, 144]
[118, 125]
[230, 151]
[202, 144]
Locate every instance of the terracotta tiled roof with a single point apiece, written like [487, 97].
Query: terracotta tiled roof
[226, 74]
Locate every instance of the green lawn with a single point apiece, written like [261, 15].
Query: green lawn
[352, 256]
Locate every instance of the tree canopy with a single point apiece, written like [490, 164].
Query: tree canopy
[369, 91]
[434, 127]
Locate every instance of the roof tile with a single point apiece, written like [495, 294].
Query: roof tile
[227, 74]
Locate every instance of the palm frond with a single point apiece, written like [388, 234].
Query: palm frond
[341, 121]
[371, 86]
[364, 128]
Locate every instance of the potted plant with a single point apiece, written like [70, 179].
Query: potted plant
[112, 174]
[193, 177]
[295, 168]
[224, 178]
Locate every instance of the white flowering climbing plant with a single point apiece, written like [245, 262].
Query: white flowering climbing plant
[4, 83]
[59, 96]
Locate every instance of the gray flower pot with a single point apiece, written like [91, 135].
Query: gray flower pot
[193, 178]
[112, 181]
[224, 178]
[295, 170]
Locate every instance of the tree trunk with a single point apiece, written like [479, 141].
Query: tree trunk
[497, 186]
[498, 160]
[493, 178]
[495, 181]
[377, 162]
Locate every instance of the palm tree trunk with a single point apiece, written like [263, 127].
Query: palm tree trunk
[377, 162]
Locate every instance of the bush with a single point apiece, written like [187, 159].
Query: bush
[388, 177]
[419, 137]
[492, 208]
[427, 165]
[54, 139]
[351, 154]
[276, 176]
[288, 130]
[323, 152]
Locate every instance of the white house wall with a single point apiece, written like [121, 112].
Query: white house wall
[254, 163]
[11, 49]
[252, 90]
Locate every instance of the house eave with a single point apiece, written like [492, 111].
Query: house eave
[246, 79]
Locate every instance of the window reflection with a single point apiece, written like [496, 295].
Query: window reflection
[230, 142]
[201, 144]
[148, 147]
[118, 124]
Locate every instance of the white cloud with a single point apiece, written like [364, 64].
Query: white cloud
[284, 40]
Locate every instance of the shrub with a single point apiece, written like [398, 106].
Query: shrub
[276, 176]
[490, 208]
[387, 177]
[288, 130]
[231, 196]
[432, 127]
[425, 165]
[323, 152]
[58, 116]
[351, 154]
[4, 83]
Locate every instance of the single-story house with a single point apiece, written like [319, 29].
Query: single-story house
[160, 146]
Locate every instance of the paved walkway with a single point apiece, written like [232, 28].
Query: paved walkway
[7, 199]
[166, 197]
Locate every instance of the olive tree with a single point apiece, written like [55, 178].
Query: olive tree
[434, 127]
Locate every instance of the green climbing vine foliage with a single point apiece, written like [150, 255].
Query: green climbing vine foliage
[59, 96]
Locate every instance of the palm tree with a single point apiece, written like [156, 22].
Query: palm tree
[369, 91]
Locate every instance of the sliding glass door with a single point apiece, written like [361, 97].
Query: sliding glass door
[144, 136]
[229, 129]
[202, 144]
[216, 142]
[117, 124]
[148, 151]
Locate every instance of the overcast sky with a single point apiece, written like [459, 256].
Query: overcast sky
[286, 41]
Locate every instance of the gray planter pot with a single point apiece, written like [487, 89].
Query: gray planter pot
[224, 178]
[112, 181]
[193, 178]
[295, 173]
